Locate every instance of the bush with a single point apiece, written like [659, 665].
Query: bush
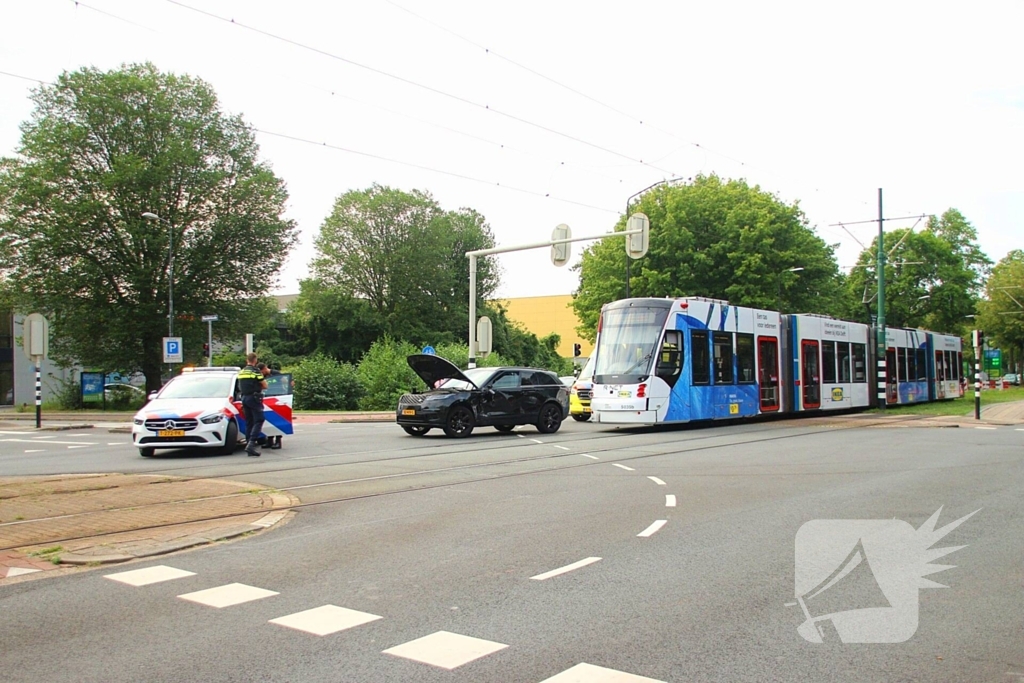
[67, 393]
[322, 383]
[386, 375]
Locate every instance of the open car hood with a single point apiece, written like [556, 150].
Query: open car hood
[431, 369]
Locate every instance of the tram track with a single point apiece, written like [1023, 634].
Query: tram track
[561, 458]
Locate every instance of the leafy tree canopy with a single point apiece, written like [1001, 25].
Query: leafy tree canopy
[715, 238]
[1001, 314]
[406, 258]
[102, 148]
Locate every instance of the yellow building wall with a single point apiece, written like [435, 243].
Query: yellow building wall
[543, 315]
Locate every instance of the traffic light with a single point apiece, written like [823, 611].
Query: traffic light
[576, 350]
[978, 337]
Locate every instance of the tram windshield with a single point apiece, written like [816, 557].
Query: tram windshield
[626, 347]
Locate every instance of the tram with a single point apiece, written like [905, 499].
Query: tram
[688, 359]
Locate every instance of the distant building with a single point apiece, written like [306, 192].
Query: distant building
[543, 315]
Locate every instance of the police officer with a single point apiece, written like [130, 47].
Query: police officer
[251, 385]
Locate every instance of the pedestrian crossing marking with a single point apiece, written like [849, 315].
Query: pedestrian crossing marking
[144, 577]
[445, 650]
[588, 673]
[323, 621]
[228, 595]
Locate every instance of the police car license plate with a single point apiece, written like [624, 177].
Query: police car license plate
[171, 432]
[408, 411]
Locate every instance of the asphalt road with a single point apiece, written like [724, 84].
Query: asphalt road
[438, 536]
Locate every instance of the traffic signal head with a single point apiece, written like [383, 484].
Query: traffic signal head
[576, 350]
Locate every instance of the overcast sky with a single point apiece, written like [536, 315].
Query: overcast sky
[541, 113]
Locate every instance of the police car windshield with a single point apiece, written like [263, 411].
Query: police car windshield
[198, 386]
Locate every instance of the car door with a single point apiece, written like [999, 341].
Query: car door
[501, 401]
[536, 387]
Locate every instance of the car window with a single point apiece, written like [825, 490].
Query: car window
[478, 376]
[198, 386]
[540, 379]
[506, 380]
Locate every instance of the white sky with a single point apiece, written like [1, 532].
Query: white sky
[815, 101]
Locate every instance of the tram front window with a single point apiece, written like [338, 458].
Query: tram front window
[628, 344]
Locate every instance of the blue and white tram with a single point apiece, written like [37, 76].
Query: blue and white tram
[688, 359]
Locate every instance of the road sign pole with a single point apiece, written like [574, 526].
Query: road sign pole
[209, 343]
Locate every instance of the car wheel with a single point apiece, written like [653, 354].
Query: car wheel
[231, 442]
[415, 431]
[505, 428]
[550, 418]
[147, 452]
[460, 422]
[581, 417]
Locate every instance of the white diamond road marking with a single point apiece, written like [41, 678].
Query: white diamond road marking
[628, 469]
[652, 529]
[588, 673]
[567, 568]
[670, 501]
[445, 650]
[228, 595]
[657, 481]
[18, 571]
[323, 621]
[592, 457]
[144, 577]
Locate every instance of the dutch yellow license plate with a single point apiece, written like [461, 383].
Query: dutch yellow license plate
[171, 432]
[586, 410]
[408, 411]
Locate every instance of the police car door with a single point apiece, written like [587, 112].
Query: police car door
[277, 405]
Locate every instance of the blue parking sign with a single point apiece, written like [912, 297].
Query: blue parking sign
[172, 350]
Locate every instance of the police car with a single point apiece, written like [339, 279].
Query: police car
[202, 408]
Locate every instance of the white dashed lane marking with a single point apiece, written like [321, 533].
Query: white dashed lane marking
[322, 621]
[985, 427]
[445, 650]
[144, 577]
[592, 457]
[62, 443]
[588, 673]
[35, 450]
[566, 569]
[657, 481]
[226, 596]
[628, 469]
[670, 501]
[536, 440]
[563, 448]
[652, 529]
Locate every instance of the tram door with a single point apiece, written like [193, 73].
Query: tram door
[768, 372]
[940, 376]
[810, 370]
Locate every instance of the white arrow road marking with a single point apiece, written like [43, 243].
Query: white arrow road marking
[652, 529]
[566, 569]
[628, 469]
[670, 501]
[657, 481]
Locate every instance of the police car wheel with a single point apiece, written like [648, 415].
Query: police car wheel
[231, 442]
[147, 452]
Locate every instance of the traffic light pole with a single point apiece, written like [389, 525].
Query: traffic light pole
[523, 247]
[978, 339]
[880, 328]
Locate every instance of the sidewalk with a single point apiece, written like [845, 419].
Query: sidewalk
[93, 519]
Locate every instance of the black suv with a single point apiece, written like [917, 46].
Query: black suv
[497, 397]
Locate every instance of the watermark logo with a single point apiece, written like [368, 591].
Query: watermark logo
[857, 580]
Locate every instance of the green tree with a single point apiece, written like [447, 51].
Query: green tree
[405, 256]
[329, 321]
[720, 239]
[1001, 313]
[102, 148]
[932, 278]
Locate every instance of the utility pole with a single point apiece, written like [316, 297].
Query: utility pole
[880, 274]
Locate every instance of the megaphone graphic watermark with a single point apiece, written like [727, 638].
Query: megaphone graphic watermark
[857, 580]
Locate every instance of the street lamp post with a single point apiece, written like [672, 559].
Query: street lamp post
[630, 201]
[149, 216]
[778, 297]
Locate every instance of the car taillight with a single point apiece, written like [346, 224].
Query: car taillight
[641, 391]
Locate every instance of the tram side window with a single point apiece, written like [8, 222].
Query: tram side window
[843, 358]
[701, 358]
[922, 367]
[828, 362]
[860, 362]
[723, 357]
[950, 367]
[901, 361]
[745, 358]
[960, 363]
[911, 365]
